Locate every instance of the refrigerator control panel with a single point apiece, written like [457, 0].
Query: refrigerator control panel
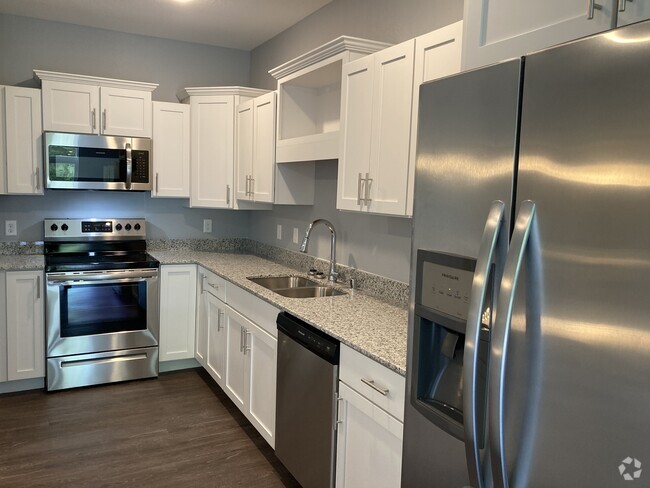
[445, 283]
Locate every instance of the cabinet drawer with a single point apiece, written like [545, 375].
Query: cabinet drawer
[212, 283]
[255, 309]
[368, 377]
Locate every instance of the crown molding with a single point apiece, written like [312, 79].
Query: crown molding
[93, 80]
[242, 91]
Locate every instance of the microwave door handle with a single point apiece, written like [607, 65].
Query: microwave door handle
[494, 247]
[129, 166]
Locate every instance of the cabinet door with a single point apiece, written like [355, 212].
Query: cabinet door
[177, 311]
[631, 11]
[3, 144]
[70, 107]
[235, 385]
[24, 149]
[437, 54]
[391, 129]
[356, 127]
[171, 150]
[201, 346]
[125, 112]
[369, 443]
[264, 121]
[25, 327]
[216, 354]
[212, 151]
[496, 30]
[244, 171]
[260, 349]
[3, 325]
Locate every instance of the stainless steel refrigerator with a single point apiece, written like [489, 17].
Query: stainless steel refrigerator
[529, 330]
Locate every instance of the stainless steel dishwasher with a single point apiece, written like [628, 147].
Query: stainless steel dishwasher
[305, 420]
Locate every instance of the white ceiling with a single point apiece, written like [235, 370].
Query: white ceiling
[239, 24]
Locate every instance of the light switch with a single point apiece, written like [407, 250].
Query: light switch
[295, 235]
[279, 232]
[207, 225]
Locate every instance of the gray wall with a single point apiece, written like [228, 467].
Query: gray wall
[26, 44]
[380, 20]
[381, 245]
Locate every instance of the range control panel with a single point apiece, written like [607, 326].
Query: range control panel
[70, 229]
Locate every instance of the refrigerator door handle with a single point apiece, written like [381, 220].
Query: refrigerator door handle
[499, 339]
[494, 247]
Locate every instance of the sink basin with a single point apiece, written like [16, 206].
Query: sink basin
[279, 282]
[295, 286]
[309, 292]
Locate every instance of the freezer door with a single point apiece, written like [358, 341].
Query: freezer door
[466, 158]
[576, 396]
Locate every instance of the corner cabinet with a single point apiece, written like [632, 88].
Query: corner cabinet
[171, 150]
[370, 423]
[256, 149]
[177, 311]
[309, 99]
[379, 106]
[212, 143]
[25, 328]
[504, 29]
[21, 149]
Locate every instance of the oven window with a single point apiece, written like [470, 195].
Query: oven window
[68, 163]
[103, 308]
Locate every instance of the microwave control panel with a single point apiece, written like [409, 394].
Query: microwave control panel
[140, 161]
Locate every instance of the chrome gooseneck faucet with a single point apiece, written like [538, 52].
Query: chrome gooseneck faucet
[303, 248]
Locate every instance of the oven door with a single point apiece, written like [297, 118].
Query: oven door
[97, 311]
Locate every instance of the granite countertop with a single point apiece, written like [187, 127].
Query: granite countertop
[373, 327]
[22, 262]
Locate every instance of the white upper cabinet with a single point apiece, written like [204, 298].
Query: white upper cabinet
[21, 149]
[309, 99]
[212, 143]
[171, 150]
[256, 149]
[379, 107]
[630, 11]
[496, 30]
[92, 105]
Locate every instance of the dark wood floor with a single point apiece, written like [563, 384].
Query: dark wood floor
[179, 430]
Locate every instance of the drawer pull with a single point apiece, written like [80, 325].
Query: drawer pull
[371, 384]
[212, 285]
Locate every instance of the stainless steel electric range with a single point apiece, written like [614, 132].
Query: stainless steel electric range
[102, 305]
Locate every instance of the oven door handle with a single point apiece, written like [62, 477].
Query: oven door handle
[129, 166]
[121, 281]
[106, 278]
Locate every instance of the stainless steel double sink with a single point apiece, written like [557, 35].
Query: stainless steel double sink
[295, 286]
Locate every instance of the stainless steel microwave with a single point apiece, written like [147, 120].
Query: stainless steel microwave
[89, 162]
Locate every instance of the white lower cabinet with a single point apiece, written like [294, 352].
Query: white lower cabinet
[370, 423]
[369, 443]
[25, 328]
[215, 361]
[177, 311]
[250, 372]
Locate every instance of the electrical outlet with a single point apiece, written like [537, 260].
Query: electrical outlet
[295, 235]
[10, 228]
[279, 232]
[207, 225]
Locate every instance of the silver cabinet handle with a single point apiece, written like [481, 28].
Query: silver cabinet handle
[104, 117]
[247, 182]
[157, 188]
[494, 246]
[93, 114]
[246, 345]
[359, 185]
[38, 287]
[129, 166]
[522, 237]
[622, 4]
[367, 200]
[227, 194]
[203, 277]
[371, 384]
[37, 180]
[212, 285]
[338, 412]
[219, 323]
[252, 187]
[241, 338]
[591, 7]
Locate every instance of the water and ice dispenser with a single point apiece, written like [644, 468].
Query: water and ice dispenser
[443, 288]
